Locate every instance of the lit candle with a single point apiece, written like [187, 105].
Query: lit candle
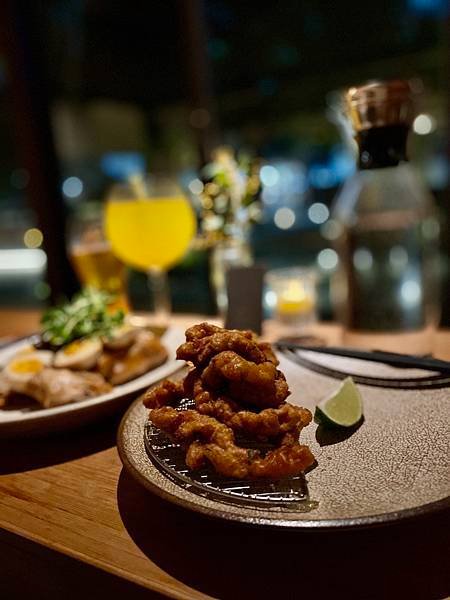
[293, 295]
[294, 300]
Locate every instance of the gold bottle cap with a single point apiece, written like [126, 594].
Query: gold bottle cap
[380, 103]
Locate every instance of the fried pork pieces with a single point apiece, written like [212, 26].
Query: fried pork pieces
[237, 390]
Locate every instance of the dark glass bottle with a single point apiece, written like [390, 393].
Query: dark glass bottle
[385, 290]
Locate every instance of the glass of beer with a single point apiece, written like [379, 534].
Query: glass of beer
[91, 255]
[150, 224]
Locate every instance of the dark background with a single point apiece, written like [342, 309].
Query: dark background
[80, 79]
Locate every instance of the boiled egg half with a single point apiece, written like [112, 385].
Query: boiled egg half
[120, 337]
[24, 366]
[80, 354]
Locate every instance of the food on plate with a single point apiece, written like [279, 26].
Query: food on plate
[260, 384]
[240, 398]
[83, 351]
[79, 355]
[200, 351]
[342, 408]
[145, 353]
[209, 441]
[120, 337]
[88, 314]
[271, 422]
[24, 366]
[266, 424]
[52, 387]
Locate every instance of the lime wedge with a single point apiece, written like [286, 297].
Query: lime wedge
[343, 408]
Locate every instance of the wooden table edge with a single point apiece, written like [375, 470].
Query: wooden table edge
[92, 561]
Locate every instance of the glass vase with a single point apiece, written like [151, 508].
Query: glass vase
[232, 251]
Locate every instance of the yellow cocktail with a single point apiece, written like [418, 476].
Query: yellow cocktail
[150, 225]
[150, 233]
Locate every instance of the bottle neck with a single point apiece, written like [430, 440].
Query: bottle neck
[382, 146]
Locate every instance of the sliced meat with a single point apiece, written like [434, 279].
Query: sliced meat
[53, 387]
[144, 354]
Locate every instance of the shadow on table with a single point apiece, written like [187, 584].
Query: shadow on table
[227, 560]
[26, 454]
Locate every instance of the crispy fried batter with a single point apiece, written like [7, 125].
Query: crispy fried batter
[188, 425]
[232, 372]
[208, 441]
[284, 461]
[267, 424]
[257, 384]
[271, 422]
[201, 351]
[230, 461]
[202, 330]
[221, 408]
[168, 392]
[206, 402]
[268, 353]
[234, 461]
[196, 332]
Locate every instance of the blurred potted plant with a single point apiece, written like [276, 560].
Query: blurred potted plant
[230, 204]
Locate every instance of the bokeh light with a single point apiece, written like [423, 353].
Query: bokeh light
[269, 175]
[284, 218]
[318, 213]
[72, 187]
[196, 186]
[33, 238]
[327, 259]
[410, 292]
[398, 257]
[424, 124]
[363, 259]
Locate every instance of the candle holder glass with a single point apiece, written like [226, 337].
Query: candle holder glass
[291, 293]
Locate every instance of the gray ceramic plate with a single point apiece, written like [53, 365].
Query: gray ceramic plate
[396, 465]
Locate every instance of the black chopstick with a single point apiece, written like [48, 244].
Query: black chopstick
[404, 361]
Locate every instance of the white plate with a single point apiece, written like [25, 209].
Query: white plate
[37, 421]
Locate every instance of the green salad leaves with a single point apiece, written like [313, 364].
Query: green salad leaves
[88, 314]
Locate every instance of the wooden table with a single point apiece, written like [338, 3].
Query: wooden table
[74, 524]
